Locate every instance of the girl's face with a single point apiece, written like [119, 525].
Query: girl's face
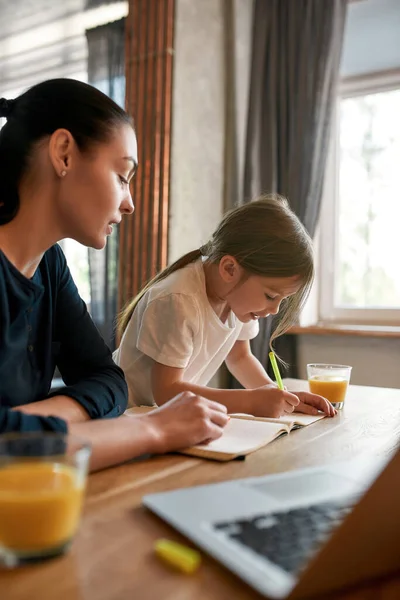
[94, 193]
[254, 296]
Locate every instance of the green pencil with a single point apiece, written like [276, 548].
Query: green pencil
[275, 369]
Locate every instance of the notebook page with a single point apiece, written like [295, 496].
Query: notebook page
[301, 419]
[243, 435]
[298, 419]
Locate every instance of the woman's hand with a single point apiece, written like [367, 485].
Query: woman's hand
[186, 420]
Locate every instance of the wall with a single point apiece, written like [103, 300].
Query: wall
[197, 151]
[242, 30]
[375, 361]
[197, 161]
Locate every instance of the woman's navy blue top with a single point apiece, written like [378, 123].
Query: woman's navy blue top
[44, 323]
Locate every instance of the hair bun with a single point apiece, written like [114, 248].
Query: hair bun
[6, 107]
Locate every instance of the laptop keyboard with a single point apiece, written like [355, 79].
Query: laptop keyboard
[288, 539]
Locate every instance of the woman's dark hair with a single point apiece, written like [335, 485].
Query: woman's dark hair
[89, 115]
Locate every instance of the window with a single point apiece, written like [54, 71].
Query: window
[77, 259]
[360, 219]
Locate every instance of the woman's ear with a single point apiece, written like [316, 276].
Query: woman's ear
[61, 146]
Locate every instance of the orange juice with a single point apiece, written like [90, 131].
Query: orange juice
[40, 505]
[333, 388]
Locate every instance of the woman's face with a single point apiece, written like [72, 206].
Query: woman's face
[94, 193]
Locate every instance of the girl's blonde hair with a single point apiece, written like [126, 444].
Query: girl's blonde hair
[266, 238]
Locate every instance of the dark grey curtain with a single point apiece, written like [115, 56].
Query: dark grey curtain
[106, 71]
[95, 3]
[295, 66]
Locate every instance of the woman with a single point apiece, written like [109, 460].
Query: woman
[67, 154]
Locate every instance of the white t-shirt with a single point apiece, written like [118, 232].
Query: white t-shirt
[175, 325]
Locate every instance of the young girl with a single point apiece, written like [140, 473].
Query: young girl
[67, 153]
[204, 310]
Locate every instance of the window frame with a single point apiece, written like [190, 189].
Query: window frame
[327, 255]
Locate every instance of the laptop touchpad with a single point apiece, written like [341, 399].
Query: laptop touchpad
[306, 486]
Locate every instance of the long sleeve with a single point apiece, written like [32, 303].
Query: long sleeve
[84, 360]
[12, 421]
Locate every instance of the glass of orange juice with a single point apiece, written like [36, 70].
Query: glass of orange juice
[330, 381]
[42, 483]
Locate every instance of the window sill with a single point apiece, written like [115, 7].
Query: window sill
[378, 331]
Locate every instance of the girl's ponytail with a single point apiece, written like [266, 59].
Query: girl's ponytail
[127, 312]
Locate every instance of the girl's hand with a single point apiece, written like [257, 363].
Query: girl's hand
[186, 420]
[310, 404]
[270, 401]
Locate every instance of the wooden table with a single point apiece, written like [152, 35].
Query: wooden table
[112, 557]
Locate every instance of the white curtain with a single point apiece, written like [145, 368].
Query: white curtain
[40, 39]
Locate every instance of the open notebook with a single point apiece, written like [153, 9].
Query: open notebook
[244, 434]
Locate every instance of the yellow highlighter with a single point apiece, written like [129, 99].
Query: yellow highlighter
[275, 369]
[177, 555]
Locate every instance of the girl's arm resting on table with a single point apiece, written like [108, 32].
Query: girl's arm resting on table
[265, 401]
[248, 370]
[245, 367]
[166, 382]
[251, 374]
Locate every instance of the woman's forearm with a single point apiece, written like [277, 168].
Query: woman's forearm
[182, 422]
[57, 406]
[117, 440]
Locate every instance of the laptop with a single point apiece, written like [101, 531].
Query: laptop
[300, 533]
